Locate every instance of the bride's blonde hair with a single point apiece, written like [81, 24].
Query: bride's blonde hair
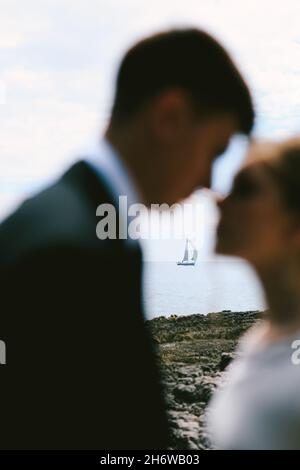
[282, 161]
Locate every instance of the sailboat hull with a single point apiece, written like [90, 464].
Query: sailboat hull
[179, 263]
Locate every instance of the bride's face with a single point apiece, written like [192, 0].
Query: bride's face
[254, 223]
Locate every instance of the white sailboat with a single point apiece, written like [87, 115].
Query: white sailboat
[190, 254]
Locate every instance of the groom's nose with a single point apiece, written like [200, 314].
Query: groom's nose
[222, 201]
[214, 195]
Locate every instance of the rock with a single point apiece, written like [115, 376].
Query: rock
[226, 359]
[185, 428]
[194, 351]
[205, 390]
[193, 393]
[186, 393]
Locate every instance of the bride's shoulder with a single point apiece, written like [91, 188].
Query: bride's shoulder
[255, 338]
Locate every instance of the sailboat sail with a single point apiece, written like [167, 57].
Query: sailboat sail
[186, 252]
[187, 259]
[195, 254]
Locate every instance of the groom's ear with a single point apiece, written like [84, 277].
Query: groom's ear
[170, 114]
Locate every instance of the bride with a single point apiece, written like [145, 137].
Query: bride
[258, 406]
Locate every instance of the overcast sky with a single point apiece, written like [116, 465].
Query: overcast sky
[59, 58]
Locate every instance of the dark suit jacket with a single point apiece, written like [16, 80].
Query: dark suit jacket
[80, 372]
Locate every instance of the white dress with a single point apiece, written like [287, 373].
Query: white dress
[258, 406]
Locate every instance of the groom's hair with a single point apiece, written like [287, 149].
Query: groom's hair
[188, 59]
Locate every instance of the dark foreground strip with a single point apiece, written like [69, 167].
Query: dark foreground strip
[140, 459]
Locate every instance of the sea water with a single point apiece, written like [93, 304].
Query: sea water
[209, 286]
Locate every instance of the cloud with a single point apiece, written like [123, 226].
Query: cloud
[58, 62]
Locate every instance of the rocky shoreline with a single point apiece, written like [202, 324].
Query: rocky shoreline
[194, 352]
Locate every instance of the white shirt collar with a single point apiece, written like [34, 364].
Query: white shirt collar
[112, 171]
[110, 167]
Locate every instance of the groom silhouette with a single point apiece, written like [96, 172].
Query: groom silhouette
[80, 369]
